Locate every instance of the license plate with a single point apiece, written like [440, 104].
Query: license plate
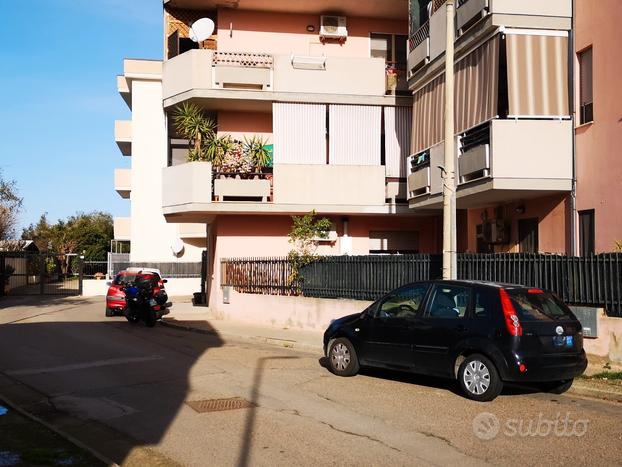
[569, 341]
[563, 341]
[152, 302]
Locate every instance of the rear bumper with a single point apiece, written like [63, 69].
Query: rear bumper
[545, 368]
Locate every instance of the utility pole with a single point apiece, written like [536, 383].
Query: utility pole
[449, 174]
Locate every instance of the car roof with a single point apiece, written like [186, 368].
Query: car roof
[496, 285]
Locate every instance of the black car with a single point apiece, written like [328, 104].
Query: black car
[480, 333]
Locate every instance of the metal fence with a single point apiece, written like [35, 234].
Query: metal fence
[168, 270]
[584, 281]
[94, 269]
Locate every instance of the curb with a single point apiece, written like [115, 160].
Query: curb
[583, 390]
[12, 405]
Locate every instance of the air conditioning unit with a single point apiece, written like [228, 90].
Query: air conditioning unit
[333, 27]
[495, 232]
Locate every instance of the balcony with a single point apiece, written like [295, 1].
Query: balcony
[191, 192]
[254, 81]
[419, 49]
[122, 228]
[513, 160]
[425, 176]
[123, 136]
[123, 182]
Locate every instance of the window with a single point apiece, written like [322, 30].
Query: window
[450, 301]
[586, 90]
[393, 242]
[391, 47]
[484, 304]
[587, 232]
[404, 303]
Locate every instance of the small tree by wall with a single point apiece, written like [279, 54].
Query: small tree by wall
[306, 232]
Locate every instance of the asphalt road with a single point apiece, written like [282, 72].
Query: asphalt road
[124, 388]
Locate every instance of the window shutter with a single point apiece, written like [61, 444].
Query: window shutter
[585, 70]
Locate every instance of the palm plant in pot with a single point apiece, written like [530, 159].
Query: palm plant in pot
[200, 130]
[256, 148]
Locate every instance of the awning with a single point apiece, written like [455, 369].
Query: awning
[299, 133]
[428, 114]
[354, 134]
[537, 74]
[397, 127]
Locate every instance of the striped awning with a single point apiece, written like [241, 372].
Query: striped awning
[397, 127]
[477, 86]
[428, 114]
[299, 133]
[537, 74]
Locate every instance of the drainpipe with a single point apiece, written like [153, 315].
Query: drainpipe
[573, 192]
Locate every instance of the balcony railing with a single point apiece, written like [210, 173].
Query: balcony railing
[419, 36]
[243, 59]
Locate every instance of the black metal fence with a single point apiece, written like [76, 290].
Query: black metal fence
[95, 269]
[583, 281]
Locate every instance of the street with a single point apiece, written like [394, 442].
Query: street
[124, 390]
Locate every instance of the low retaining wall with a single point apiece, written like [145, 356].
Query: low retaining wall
[609, 341]
[174, 287]
[293, 312]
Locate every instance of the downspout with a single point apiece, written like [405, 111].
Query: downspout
[573, 192]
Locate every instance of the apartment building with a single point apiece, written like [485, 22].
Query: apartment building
[514, 122]
[324, 83]
[598, 95]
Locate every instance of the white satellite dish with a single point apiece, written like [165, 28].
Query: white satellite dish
[201, 29]
[177, 246]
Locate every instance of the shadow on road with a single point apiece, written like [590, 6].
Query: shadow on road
[449, 385]
[101, 380]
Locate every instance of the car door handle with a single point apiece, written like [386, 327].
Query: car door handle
[461, 328]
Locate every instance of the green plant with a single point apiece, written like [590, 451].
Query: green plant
[50, 265]
[8, 272]
[306, 230]
[192, 124]
[256, 148]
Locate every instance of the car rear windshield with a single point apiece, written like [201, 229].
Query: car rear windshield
[534, 304]
[124, 279]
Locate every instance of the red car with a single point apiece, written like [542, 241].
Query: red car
[115, 298]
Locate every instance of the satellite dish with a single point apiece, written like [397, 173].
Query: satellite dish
[201, 29]
[177, 246]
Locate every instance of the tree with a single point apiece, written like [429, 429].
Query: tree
[84, 233]
[305, 234]
[10, 205]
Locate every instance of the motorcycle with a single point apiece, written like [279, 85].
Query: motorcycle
[145, 301]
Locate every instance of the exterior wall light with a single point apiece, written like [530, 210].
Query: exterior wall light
[310, 28]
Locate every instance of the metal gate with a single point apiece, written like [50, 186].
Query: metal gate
[40, 274]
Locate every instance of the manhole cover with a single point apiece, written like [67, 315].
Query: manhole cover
[218, 405]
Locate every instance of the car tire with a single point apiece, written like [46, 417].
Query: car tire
[479, 379]
[109, 312]
[558, 387]
[342, 358]
[150, 319]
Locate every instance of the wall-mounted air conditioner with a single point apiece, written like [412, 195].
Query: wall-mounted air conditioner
[333, 27]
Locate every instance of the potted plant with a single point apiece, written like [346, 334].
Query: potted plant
[200, 130]
[259, 154]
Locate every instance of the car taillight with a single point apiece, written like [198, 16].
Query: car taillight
[535, 291]
[512, 323]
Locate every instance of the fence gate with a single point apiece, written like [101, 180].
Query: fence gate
[40, 274]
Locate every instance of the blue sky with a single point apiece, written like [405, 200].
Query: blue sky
[59, 60]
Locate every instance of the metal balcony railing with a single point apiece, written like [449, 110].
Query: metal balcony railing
[419, 36]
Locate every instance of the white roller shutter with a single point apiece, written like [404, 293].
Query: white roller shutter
[354, 135]
[299, 133]
[397, 128]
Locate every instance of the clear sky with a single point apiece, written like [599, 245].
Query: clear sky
[58, 98]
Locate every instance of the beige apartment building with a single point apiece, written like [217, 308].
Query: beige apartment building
[514, 127]
[324, 83]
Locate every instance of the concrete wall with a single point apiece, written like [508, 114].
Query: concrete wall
[329, 184]
[293, 312]
[180, 287]
[241, 124]
[186, 183]
[283, 33]
[609, 341]
[599, 171]
[151, 236]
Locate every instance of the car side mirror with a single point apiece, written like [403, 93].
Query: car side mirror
[164, 281]
[108, 283]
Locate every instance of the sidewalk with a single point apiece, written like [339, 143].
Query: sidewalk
[188, 317]
[197, 319]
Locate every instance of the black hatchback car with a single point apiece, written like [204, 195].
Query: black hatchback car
[482, 334]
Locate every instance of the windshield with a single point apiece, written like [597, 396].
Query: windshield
[534, 304]
[124, 279]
